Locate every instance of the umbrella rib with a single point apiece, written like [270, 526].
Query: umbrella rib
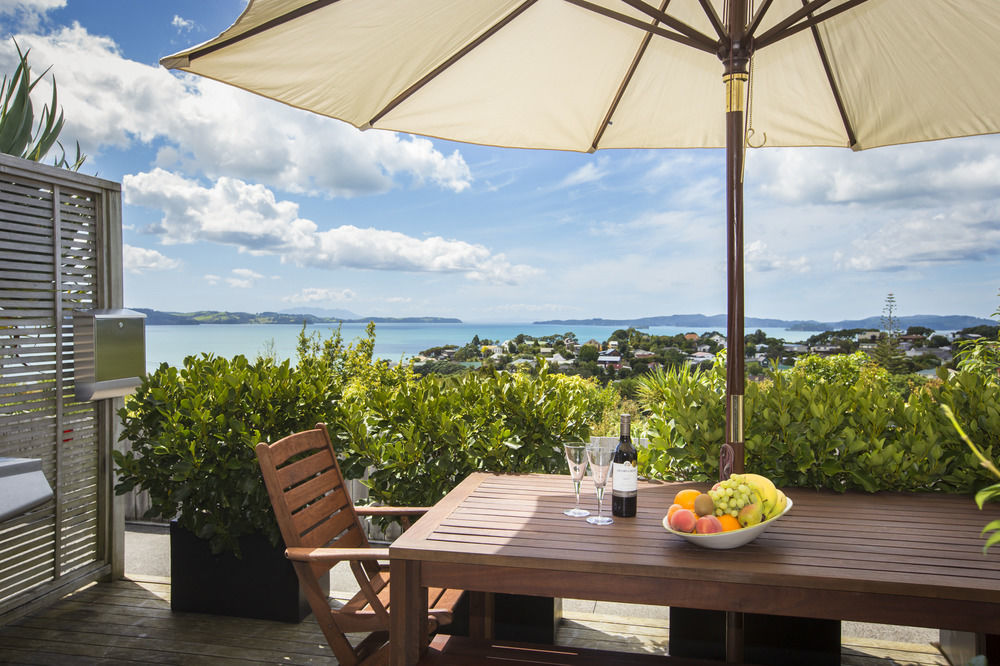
[834, 88]
[710, 12]
[758, 17]
[668, 20]
[276, 21]
[707, 47]
[787, 28]
[458, 55]
[625, 82]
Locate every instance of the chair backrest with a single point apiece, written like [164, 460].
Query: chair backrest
[308, 493]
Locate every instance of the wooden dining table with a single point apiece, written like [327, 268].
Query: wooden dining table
[893, 558]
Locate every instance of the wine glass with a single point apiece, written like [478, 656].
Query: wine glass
[576, 456]
[600, 455]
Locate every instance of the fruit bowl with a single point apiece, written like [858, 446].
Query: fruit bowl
[733, 538]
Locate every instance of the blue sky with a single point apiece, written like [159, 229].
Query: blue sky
[233, 202]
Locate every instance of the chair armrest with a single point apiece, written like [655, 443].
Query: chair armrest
[334, 555]
[391, 510]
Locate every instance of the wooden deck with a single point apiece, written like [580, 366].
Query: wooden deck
[129, 622]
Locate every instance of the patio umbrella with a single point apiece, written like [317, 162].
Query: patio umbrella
[584, 75]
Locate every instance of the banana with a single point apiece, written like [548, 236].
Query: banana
[765, 488]
[779, 506]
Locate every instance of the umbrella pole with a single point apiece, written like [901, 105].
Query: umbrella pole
[731, 458]
[736, 59]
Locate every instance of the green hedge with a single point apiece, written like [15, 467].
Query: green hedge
[193, 431]
[806, 429]
[422, 438]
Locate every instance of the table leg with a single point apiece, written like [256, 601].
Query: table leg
[481, 615]
[408, 614]
[734, 637]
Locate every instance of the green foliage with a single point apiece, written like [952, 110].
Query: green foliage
[813, 428]
[193, 430]
[841, 369]
[686, 426]
[18, 135]
[982, 355]
[988, 493]
[421, 438]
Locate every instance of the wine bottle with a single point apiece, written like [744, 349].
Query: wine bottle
[624, 473]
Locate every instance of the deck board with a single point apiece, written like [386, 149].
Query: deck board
[130, 622]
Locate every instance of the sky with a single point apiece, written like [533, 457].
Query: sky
[234, 202]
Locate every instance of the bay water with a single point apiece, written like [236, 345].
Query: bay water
[393, 341]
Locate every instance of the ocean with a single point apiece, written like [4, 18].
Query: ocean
[170, 344]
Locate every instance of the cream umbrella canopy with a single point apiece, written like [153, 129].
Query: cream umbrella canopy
[584, 75]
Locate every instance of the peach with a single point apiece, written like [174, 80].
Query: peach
[708, 525]
[683, 520]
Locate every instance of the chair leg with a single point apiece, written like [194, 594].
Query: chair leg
[376, 644]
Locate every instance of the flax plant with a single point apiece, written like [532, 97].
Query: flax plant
[988, 493]
[18, 134]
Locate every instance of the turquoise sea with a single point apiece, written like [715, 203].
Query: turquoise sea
[170, 344]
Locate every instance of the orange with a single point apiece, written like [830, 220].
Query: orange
[672, 509]
[729, 523]
[686, 498]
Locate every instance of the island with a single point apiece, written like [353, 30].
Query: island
[159, 318]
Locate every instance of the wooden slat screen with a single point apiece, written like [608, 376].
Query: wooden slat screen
[49, 235]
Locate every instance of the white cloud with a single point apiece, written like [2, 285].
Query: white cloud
[239, 283]
[28, 14]
[139, 259]
[247, 274]
[914, 174]
[250, 218]
[212, 279]
[320, 295]
[589, 173]
[964, 234]
[182, 24]
[757, 257]
[110, 101]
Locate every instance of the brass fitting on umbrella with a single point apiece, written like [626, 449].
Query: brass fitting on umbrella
[735, 90]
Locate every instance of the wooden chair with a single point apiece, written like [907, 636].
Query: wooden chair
[320, 526]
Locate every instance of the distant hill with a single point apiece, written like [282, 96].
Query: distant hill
[934, 322]
[328, 313]
[156, 317]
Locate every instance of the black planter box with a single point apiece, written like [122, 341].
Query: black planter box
[768, 639]
[516, 617]
[262, 584]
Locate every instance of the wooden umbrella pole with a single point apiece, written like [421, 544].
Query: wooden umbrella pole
[735, 57]
[735, 77]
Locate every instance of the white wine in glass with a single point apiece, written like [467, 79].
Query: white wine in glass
[576, 456]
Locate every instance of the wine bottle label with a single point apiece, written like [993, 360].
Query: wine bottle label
[624, 479]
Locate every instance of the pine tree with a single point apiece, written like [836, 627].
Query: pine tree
[887, 353]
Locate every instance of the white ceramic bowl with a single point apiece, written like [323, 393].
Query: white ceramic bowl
[733, 538]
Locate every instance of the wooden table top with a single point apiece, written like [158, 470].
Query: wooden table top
[884, 557]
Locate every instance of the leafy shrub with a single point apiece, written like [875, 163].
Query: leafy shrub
[421, 438]
[988, 493]
[193, 432]
[193, 429]
[805, 431]
[982, 355]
